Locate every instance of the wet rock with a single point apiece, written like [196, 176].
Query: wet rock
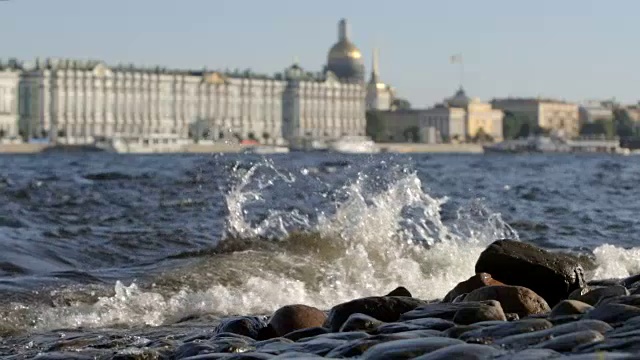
[567, 342]
[191, 349]
[522, 341]
[514, 299]
[632, 281]
[396, 327]
[633, 300]
[553, 276]
[475, 282]
[611, 345]
[400, 291]
[408, 349]
[353, 348]
[305, 333]
[489, 334]
[512, 316]
[449, 310]
[296, 317]
[245, 325]
[570, 307]
[575, 294]
[459, 298]
[532, 354]
[384, 308]
[296, 355]
[360, 322]
[458, 330]
[468, 316]
[345, 336]
[314, 346]
[431, 323]
[463, 352]
[64, 356]
[599, 356]
[613, 314]
[595, 295]
[604, 282]
[250, 356]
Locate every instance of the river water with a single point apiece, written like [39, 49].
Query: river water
[113, 244]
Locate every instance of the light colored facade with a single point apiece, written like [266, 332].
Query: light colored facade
[592, 111]
[379, 96]
[558, 116]
[75, 102]
[461, 118]
[321, 106]
[9, 82]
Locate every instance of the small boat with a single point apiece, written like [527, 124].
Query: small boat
[354, 145]
[266, 149]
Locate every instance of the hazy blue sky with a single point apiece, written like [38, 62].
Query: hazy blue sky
[573, 49]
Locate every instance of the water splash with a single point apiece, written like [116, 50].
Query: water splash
[381, 229]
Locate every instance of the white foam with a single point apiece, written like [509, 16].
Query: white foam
[616, 262]
[390, 237]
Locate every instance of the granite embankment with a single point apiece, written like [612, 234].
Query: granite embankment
[523, 303]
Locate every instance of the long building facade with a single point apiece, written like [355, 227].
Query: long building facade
[76, 102]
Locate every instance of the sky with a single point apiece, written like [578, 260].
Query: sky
[568, 49]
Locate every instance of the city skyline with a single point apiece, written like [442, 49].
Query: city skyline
[562, 50]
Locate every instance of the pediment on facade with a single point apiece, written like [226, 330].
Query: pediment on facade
[331, 79]
[101, 70]
[214, 78]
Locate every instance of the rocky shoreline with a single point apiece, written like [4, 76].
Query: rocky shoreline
[523, 303]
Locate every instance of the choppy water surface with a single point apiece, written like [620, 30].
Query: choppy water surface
[130, 245]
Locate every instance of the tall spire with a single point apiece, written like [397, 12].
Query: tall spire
[375, 64]
[343, 30]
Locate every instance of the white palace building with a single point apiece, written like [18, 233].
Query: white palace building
[75, 102]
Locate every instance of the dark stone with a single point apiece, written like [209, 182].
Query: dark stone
[408, 349]
[400, 291]
[570, 307]
[514, 299]
[448, 310]
[567, 342]
[431, 323]
[343, 336]
[360, 322]
[462, 352]
[316, 346]
[551, 275]
[353, 348]
[522, 341]
[295, 317]
[249, 326]
[396, 327]
[597, 294]
[575, 294]
[488, 334]
[633, 300]
[604, 282]
[468, 316]
[250, 356]
[613, 314]
[632, 281]
[458, 330]
[512, 316]
[305, 333]
[475, 282]
[532, 354]
[192, 349]
[383, 308]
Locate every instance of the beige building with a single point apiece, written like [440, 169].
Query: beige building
[558, 116]
[9, 81]
[380, 96]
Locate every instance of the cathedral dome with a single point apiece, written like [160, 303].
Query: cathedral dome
[344, 58]
[459, 100]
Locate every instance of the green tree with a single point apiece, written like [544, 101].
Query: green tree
[375, 125]
[412, 134]
[623, 122]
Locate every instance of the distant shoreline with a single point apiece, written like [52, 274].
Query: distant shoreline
[236, 148]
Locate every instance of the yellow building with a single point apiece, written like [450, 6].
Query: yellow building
[562, 118]
[479, 117]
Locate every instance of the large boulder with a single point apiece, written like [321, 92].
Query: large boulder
[472, 283]
[514, 299]
[551, 275]
[383, 308]
[464, 312]
[295, 317]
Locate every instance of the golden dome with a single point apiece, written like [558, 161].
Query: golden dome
[344, 50]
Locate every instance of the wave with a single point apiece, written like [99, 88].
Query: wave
[380, 230]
